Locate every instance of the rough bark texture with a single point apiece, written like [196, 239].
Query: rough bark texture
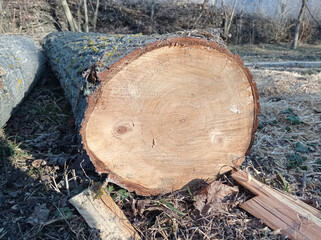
[152, 110]
[21, 65]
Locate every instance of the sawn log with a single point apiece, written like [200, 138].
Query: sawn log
[156, 112]
[21, 66]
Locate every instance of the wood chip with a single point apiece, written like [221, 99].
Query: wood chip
[102, 213]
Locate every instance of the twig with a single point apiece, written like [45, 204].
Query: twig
[66, 179]
[304, 183]
[313, 17]
[55, 186]
[74, 176]
[65, 219]
[314, 173]
[84, 171]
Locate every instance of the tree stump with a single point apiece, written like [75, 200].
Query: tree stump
[21, 65]
[156, 112]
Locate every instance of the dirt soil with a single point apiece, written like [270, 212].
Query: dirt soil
[42, 165]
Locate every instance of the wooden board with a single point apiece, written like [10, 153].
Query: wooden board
[102, 213]
[281, 211]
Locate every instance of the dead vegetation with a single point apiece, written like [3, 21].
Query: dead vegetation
[38, 18]
[42, 166]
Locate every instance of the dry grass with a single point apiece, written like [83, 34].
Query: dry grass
[42, 166]
[290, 134]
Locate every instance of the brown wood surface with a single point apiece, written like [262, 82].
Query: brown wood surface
[175, 113]
[157, 112]
[281, 211]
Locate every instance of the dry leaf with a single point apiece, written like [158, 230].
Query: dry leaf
[141, 207]
[39, 216]
[38, 163]
[215, 197]
[138, 206]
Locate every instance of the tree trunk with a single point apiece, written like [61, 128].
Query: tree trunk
[79, 18]
[156, 112]
[69, 16]
[86, 16]
[96, 15]
[21, 65]
[228, 25]
[298, 24]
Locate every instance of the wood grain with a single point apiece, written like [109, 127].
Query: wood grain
[102, 213]
[281, 211]
[156, 112]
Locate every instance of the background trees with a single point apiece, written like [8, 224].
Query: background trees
[298, 23]
[242, 21]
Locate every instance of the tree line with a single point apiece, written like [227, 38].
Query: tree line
[238, 24]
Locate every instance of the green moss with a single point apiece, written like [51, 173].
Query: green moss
[111, 53]
[103, 38]
[92, 42]
[19, 82]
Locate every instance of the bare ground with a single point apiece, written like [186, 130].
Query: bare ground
[42, 165]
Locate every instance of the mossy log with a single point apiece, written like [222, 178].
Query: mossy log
[21, 66]
[156, 112]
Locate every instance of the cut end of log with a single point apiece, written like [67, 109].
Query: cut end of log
[169, 113]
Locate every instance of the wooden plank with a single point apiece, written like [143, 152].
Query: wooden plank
[280, 211]
[102, 213]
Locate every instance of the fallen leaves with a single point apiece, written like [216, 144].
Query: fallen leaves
[38, 163]
[39, 216]
[214, 198]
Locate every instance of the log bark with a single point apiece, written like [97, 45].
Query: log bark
[156, 112]
[21, 66]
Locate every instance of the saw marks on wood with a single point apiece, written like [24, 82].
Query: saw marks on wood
[172, 115]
